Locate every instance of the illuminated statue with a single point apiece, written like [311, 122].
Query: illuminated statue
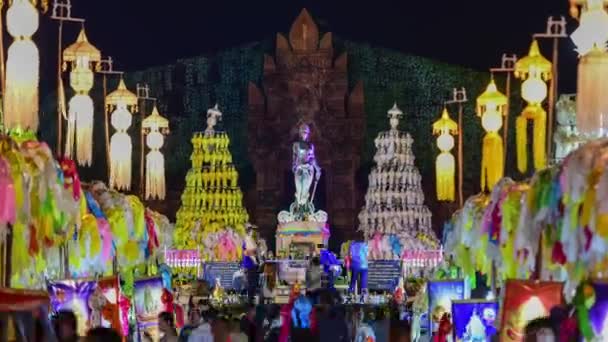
[213, 115]
[305, 169]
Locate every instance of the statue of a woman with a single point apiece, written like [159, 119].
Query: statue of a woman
[304, 166]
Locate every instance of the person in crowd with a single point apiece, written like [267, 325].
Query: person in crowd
[166, 325]
[203, 333]
[194, 319]
[401, 331]
[66, 326]
[102, 335]
[248, 323]
[331, 324]
[272, 324]
[381, 325]
[540, 330]
[220, 329]
[236, 335]
[313, 279]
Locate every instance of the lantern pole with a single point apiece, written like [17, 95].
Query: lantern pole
[507, 66]
[459, 96]
[62, 11]
[143, 94]
[556, 30]
[106, 67]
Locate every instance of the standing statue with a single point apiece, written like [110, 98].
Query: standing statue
[304, 166]
[213, 115]
[305, 170]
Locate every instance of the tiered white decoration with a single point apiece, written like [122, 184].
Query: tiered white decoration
[395, 219]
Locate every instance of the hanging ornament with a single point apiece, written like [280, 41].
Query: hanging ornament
[491, 107]
[156, 125]
[79, 141]
[123, 102]
[445, 164]
[22, 68]
[534, 69]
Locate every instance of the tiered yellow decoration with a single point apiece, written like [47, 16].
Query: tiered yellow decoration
[590, 39]
[534, 69]
[83, 56]
[212, 214]
[123, 102]
[491, 107]
[445, 165]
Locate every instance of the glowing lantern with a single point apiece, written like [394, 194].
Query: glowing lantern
[22, 67]
[445, 165]
[590, 38]
[156, 125]
[82, 56]
[123, 102]
[491, 107]
[534, 69]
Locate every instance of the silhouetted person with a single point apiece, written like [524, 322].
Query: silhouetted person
[102, 335]
[66, 326]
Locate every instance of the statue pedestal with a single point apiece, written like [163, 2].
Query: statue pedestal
[301, 232]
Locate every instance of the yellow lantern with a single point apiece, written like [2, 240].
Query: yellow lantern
[156, 125]
[445, 165]
[590, 39]
[535, 70]
[123, 102]
[491, 107]
[79, 141]
[22, 67]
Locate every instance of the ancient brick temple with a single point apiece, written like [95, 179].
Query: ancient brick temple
[305, 83]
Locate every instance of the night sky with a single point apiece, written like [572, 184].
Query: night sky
[473, 33]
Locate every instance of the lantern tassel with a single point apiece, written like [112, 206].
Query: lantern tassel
[155, 175]
[521, 137]
[80, 123]
[120, 166]
[540, 133]
[492, 164]
[22, 75]
[445, 170]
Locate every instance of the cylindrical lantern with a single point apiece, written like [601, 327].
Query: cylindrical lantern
[79, 141]
[491, 107]
[123, 102]
[535, 70]
[445, 165]
[22, 68]
[590, 39]
[156, 126]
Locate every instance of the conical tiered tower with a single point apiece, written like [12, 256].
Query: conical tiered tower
[212, 217]
[394, 218]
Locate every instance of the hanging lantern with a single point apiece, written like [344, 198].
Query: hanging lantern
[491, 107]
[445, 165]
[22, 68]
[123, 102]
[79, 141]
[155, 125]
[592, 84]
[535, 70]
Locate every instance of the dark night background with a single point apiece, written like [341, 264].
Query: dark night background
[155, 41]
[473, 33]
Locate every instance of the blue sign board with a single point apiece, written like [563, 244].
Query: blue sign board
[383, 275]
[223, 270]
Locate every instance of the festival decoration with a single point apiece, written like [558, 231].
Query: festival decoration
[123, 102]
[110, 311]
[441, 293]
[75, 296]
[83, 57]
[491, 106]
[22, 67]
[566, 135]
[534, 70]
[445, 167]
[590, 39]
[394, 218]
[155, 126]
[474, 320]
[525, 301]
[212, 214]
[595, 302]
[562, 205]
